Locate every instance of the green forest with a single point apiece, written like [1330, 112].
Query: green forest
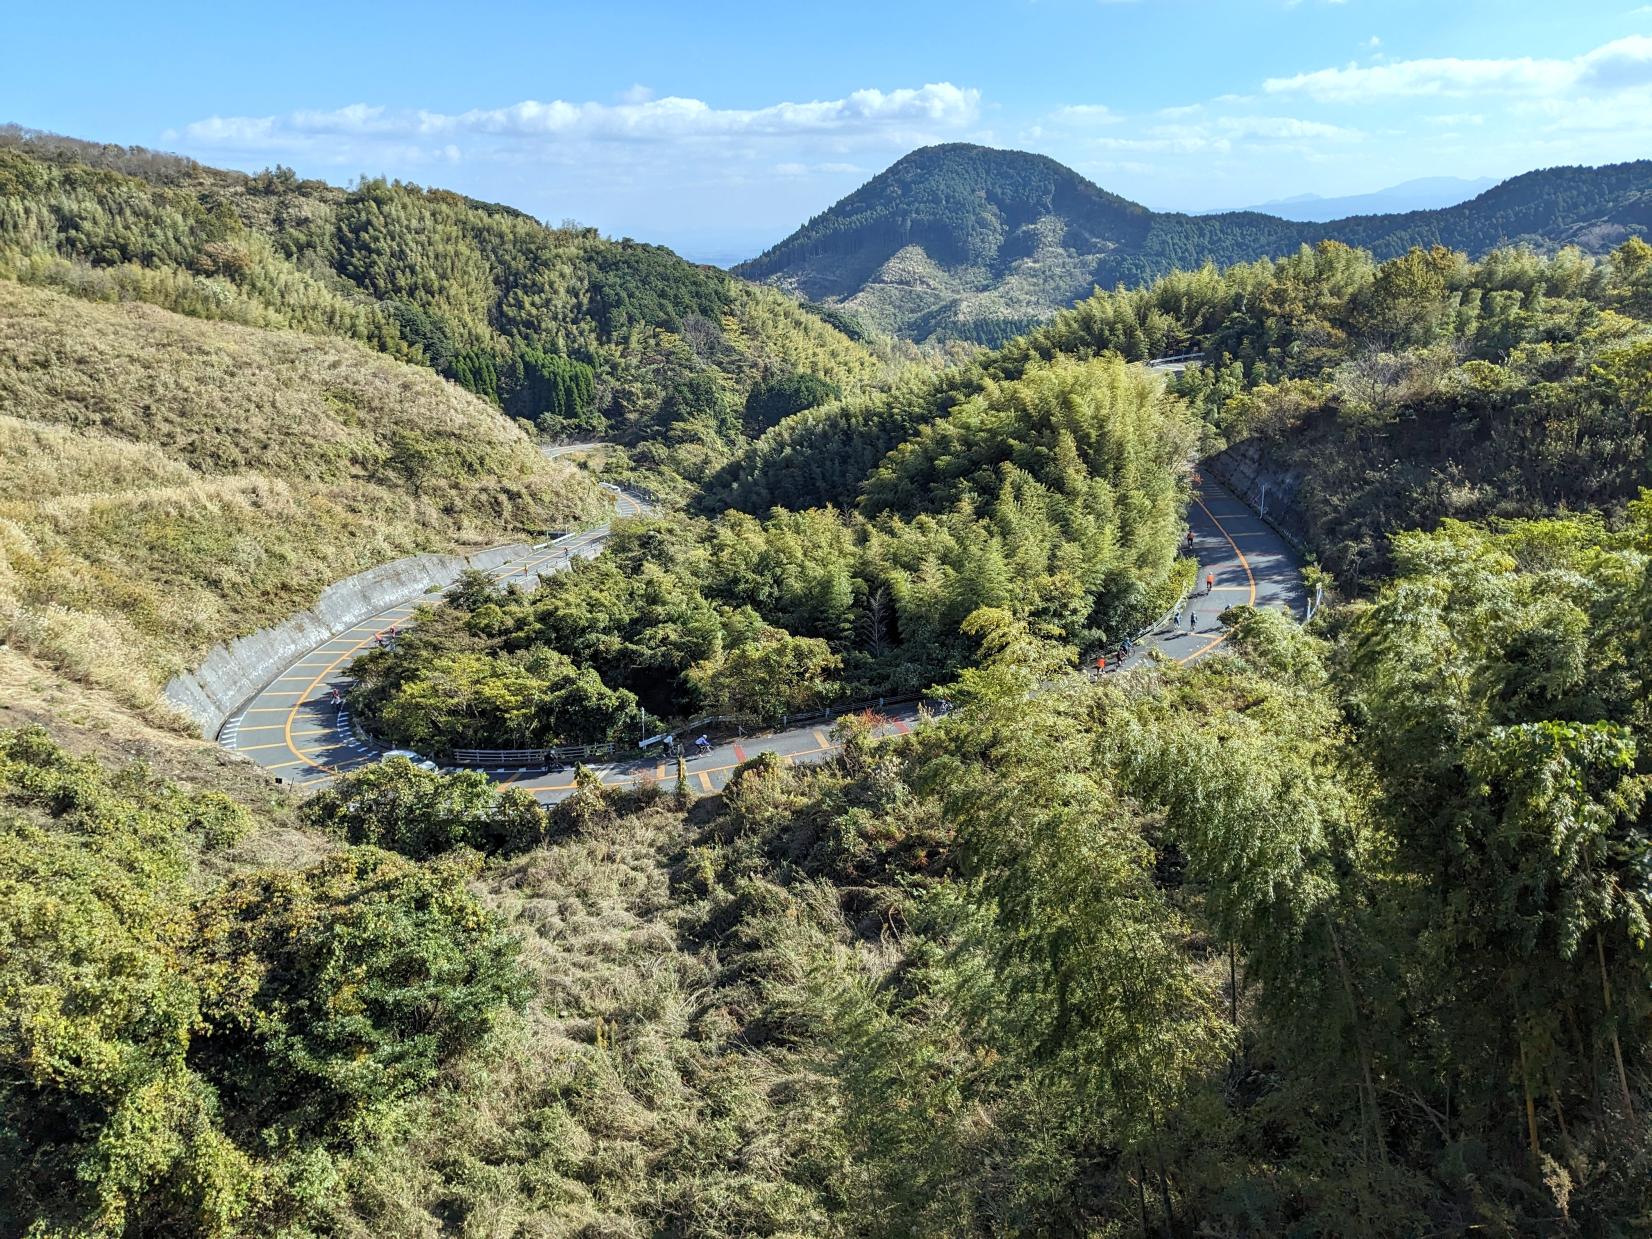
[1340, 930]
[1310, 937]
[1057, 496]
[579, 335]
[965, 242]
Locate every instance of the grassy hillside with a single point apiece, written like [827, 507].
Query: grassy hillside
[560, 326]
[966, 242]
[169, 483]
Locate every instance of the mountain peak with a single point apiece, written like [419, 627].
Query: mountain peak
[958, 240]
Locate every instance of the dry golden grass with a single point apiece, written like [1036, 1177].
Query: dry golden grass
[167, 483]
[627, 1100]
[89, 722]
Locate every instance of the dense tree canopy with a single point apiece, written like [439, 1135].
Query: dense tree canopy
[1056, 495]
[179, 1063]
[557, 325]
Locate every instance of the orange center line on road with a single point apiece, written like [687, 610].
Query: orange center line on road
[292, 714]
[372, 628]
[1249, 577]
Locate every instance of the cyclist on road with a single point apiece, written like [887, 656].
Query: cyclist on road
[1189, 542]
[703, 745]
[1210, 581]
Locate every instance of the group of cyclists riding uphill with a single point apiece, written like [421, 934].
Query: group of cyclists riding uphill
[1127, 646]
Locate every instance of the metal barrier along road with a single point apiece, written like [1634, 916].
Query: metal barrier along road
[1177, 361]
[562, 755]
[500, 758]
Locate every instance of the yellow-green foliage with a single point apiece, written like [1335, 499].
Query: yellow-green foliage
[180, 1063]
[779, 336]
[426, 275]
[167, 483]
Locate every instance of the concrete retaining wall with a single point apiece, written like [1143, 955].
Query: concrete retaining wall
[1246, 470]
[232, 673]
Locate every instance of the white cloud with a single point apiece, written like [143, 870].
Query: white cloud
[1618, 65]
[936, 106]
[792, 167]
[1086, 114]
[1285, 127]
[1223, 135]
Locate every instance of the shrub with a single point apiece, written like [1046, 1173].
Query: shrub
[420, 813]
[338, 989]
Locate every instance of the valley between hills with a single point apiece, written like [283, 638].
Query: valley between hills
[1171, 689]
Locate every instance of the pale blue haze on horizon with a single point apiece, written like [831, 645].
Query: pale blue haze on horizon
[720, 127]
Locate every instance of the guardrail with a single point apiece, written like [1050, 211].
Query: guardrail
[1115, 654]
[563, 755]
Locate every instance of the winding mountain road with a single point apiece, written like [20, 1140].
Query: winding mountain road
[293, 729]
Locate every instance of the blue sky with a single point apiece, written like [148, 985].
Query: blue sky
[719, 127]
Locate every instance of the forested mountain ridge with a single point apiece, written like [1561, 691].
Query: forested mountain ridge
[962, 241]
[1341, 930]
[559, 326]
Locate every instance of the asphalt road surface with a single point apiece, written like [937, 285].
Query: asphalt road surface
[293, 729]
[1250, 565]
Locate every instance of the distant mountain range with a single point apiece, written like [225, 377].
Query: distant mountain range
[967, 242]
[1426, 193]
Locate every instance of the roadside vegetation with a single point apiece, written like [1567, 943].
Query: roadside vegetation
[1057, 495]
[170, 483]
[1215, 948]
[1392, 396]
[1340, 930]
[841, 551]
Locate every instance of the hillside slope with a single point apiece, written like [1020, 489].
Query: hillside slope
[169, 483]
[960, 241]
[573, 331]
